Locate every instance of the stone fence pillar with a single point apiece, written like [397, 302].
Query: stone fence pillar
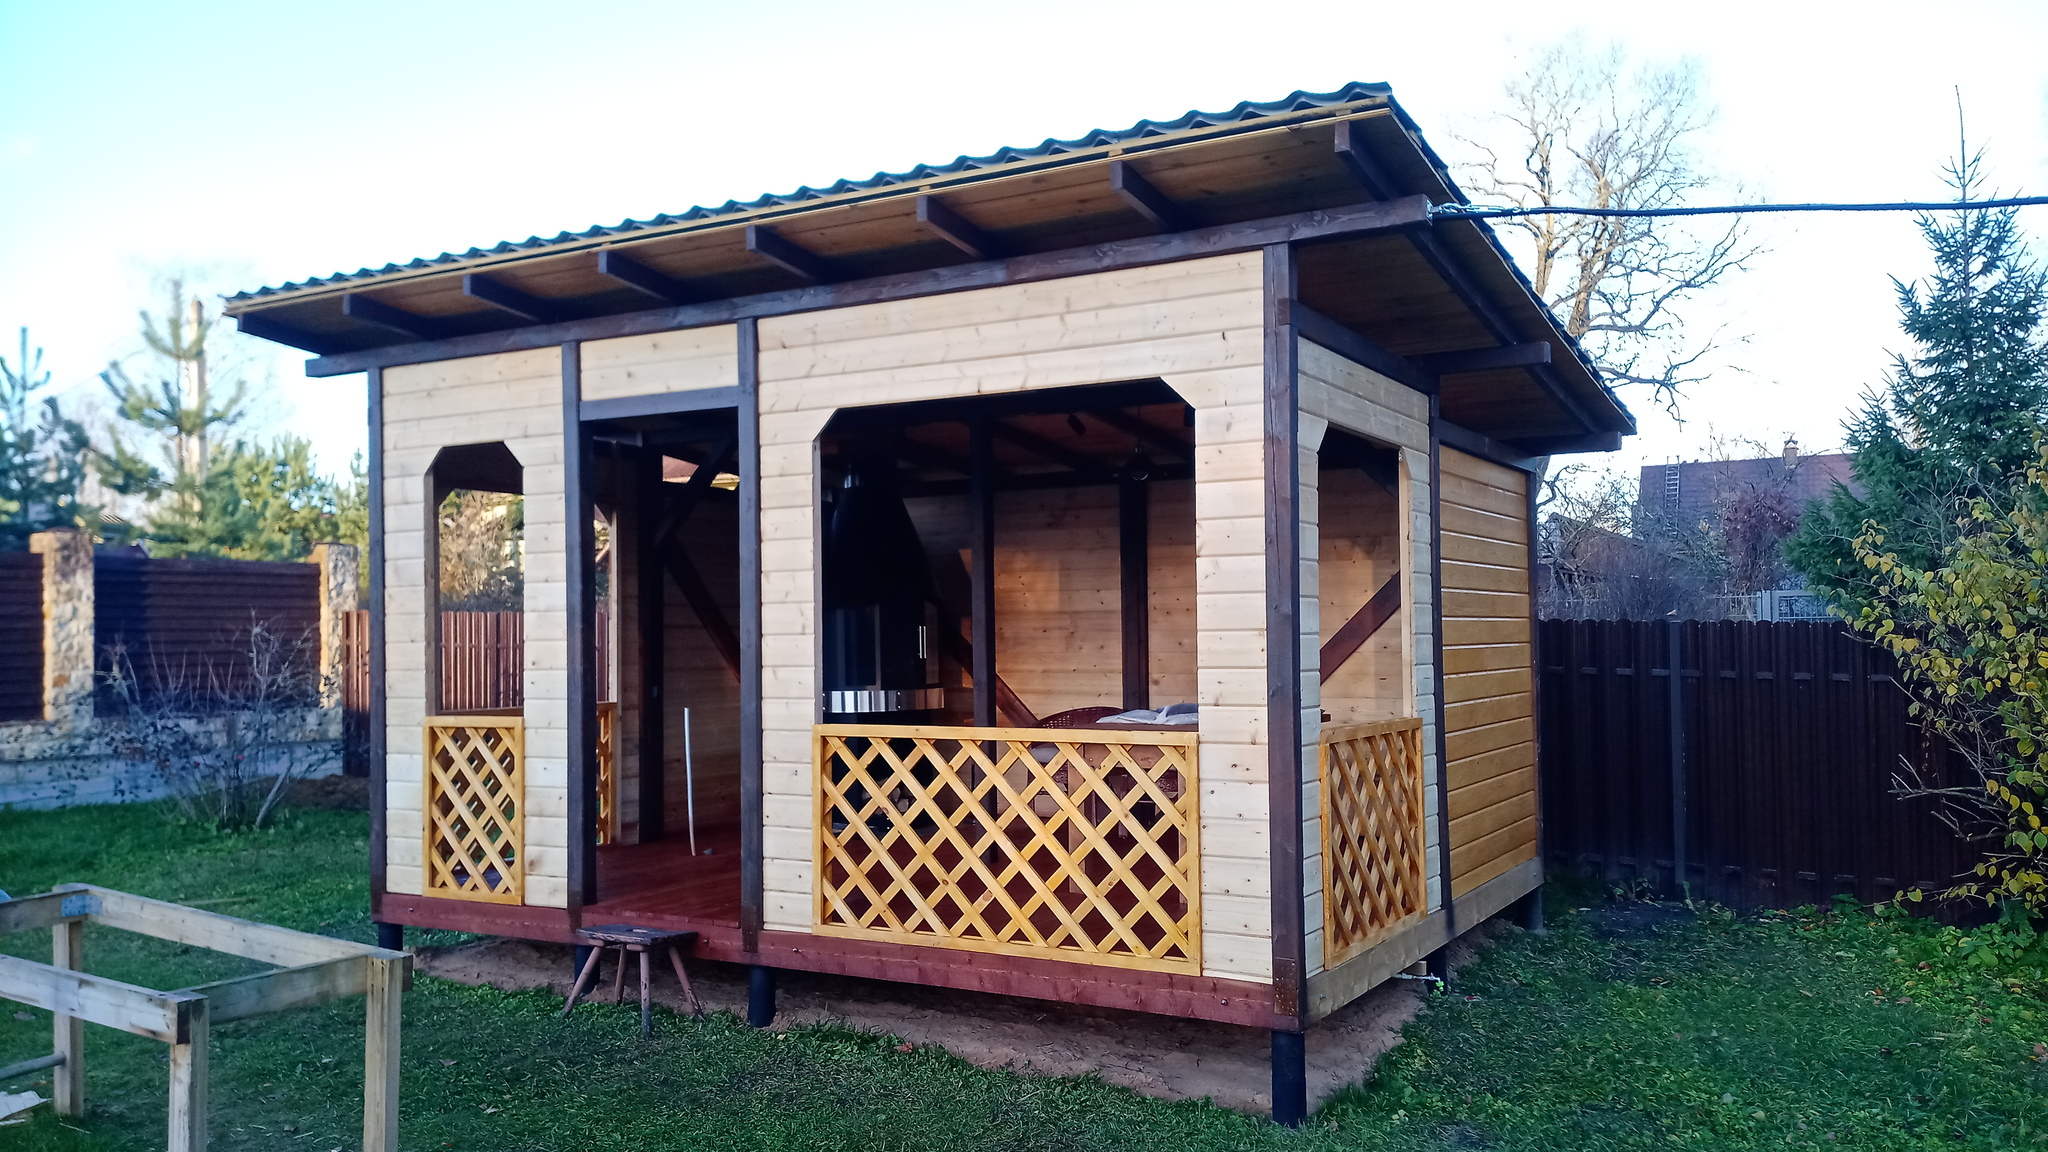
[339, 573]
[67, 625]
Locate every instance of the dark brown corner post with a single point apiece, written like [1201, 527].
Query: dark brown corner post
[650, 603]
[1532, 904]
[580, 626]
[981, 573]
[1282, 472]
[1133, 540]
[761, 981]
[388, 935]
[1438, 965]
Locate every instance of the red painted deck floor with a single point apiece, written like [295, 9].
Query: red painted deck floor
[660, 885]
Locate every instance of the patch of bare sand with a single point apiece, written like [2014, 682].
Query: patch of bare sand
[1158, 1056]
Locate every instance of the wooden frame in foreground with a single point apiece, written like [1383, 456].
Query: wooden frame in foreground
[308, 970]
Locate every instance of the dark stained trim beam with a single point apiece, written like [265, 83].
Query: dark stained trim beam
[1357, 347]
[1134, 587]
[374, 311]
[1485, 359]
[926, 455]
[1368, 620]
[981, 574]
[1365, 168]
[277, 332]
[769, 245]
[1351, 149]
[1281, 459]
[752, 822]
[524, 305]
[633, 274]
[1147, 435]
[1144, 199]
[1566, 445]
[1046, 450]
[1485, 447]
[957, 230]
[650, 616]
[1497, 325]
[579, 631]
[1363, 219]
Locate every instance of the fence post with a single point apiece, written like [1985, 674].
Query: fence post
[339, 573]
[67, 625]
[1676, 690]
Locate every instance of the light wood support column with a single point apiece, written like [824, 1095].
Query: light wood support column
[188, 1080]
[383, 1011]
[67, 941]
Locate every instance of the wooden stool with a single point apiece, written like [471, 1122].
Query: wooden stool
[628, 939]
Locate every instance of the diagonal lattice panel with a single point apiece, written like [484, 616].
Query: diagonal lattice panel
[607, 772]
[475, 808]
[1374, 880]
[1019, 841]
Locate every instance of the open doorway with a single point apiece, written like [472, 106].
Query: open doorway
[667, 496]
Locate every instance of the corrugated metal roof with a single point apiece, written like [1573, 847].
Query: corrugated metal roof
[1248, 112]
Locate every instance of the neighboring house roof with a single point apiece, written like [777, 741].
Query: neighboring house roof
[1691, 491]
[1345, 176]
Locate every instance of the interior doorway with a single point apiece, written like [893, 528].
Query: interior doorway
[666, 491]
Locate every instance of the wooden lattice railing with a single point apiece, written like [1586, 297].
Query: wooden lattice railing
[1374, 881]
[1035, 842]
[607, 772]
[476, 807]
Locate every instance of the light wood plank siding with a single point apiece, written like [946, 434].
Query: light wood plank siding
[1337, 392]
[681, 361]
[1489, 720]
[1197, 324]
[514, 397]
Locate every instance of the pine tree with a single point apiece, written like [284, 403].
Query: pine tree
[261, 502]
[182, 409]
[1956, 420]
[42, 455]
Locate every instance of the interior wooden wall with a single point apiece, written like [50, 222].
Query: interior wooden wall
[1059, 611]
[1198, 325]
[1360, 531]
[699, 679]
[1489, 725]
[516, 398]
[1338, 392]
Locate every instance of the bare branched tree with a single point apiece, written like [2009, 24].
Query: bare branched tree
[482, 551]
[227, 738]
[1583, 129]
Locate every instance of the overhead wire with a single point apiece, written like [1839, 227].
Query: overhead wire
[1498, 212]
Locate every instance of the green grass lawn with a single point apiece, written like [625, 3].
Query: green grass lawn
[1628, 1026]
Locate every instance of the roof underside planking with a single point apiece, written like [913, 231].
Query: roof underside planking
[1417, 292]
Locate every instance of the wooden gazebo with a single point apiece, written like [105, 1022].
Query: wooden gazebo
[1097, 571]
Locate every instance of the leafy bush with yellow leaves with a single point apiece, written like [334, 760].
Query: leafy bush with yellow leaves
[1971, 640]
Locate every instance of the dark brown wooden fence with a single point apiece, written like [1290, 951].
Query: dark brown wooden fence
[21, 636]
[1788, 739]
[185, 624]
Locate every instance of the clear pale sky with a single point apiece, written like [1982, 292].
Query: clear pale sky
[259, 143]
